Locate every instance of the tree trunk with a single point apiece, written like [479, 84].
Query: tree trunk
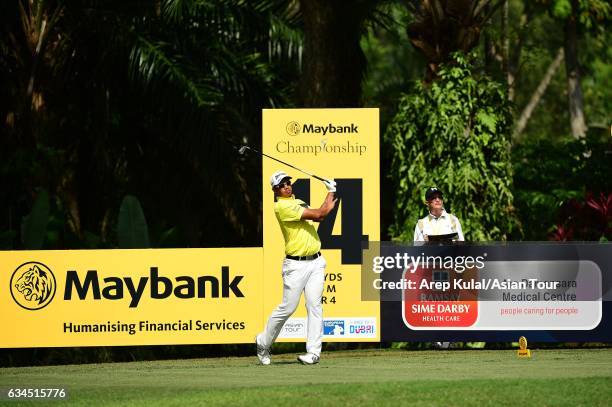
[506, 50]
[491, 57]
[572, 70]
[488, 51]
[537, 95]
[514, 56]
[333, 62]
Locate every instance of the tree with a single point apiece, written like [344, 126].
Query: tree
[454, 134]
[143, 98]
[577, 16]
[441, 28]
[572, 71]
[537, 95]
[333, 63]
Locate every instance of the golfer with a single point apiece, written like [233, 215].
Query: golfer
[303, 267]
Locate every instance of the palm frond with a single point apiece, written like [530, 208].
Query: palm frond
[150, 63]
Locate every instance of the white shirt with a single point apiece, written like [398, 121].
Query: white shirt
[442, 225]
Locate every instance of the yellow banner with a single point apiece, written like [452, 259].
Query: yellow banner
[130, 297]
[196, 296]
[332, 143]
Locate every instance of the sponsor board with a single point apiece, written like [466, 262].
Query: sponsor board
[333, 143]
[491, 292]
[130, 297]
[333, 328]
[354, 328]
[196, 296]
[453, 304]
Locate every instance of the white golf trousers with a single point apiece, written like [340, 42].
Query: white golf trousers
[300, 275]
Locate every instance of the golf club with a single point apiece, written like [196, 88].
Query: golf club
[242, 150]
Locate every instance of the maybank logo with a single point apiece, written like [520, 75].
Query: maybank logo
[159, 287]
[32, 285]
[294, 128]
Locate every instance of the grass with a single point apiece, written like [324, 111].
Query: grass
[389, 377]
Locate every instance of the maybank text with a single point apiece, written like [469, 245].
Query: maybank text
[183, 287]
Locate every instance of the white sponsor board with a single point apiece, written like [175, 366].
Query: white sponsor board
[337, 328]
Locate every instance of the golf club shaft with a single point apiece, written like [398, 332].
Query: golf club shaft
[287, 164]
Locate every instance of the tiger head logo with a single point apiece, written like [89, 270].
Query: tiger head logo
[33, 285]
[293, 128]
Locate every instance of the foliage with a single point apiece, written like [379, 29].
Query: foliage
[103, 99]
[440, 28]
[597, 79]
[454, 135]
[552, 177]
[590, 219]
[591, 13]
[34, 225]
[132, 230]
[391, 68]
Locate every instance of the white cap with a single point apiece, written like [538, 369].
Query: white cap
[277, 177]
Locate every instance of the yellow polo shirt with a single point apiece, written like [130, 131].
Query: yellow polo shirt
[301, 238]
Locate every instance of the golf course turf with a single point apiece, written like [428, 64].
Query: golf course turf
[382, 377]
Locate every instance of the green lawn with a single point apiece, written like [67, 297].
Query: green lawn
[389, 377]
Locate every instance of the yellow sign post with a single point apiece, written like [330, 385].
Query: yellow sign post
[332, 143]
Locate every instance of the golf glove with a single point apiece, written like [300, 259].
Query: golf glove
[330, 185]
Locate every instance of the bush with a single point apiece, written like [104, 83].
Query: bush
[553, 181]
[454, 134]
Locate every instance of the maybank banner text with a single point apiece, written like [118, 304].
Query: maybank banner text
[130, 297]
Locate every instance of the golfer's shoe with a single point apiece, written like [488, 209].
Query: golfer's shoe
[308, 359]
[263, 353]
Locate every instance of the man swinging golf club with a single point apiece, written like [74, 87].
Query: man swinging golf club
[303, 267]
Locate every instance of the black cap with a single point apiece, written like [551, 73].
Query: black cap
[432, 192]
